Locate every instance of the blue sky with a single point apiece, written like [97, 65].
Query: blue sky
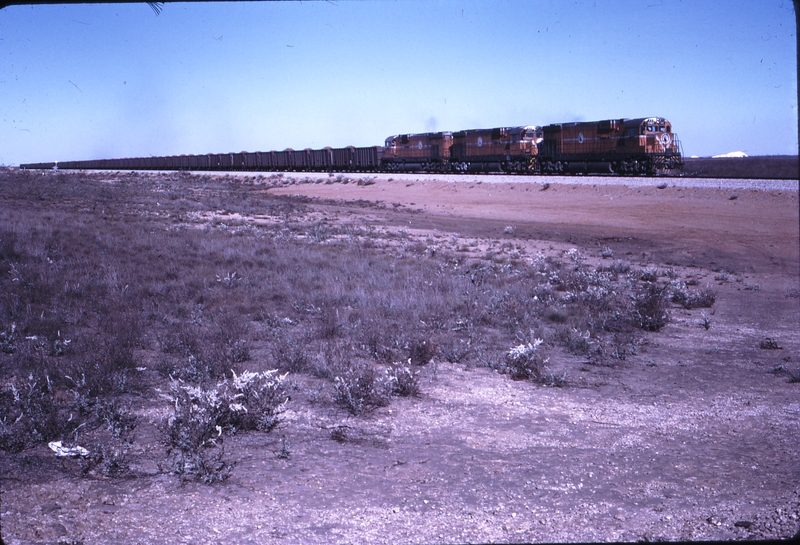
[101, 81]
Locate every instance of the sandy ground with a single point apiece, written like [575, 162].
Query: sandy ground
[742, 230]
[696, 437]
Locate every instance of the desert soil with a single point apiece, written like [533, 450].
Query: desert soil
[694, 438]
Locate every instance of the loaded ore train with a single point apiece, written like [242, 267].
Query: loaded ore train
[644, 146]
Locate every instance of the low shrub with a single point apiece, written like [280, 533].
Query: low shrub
[650, 308]
[117, 416]
[198, 418]
[543, 293]
[359, 388]
[648, 275]
[109, 461]
[262, 396]
[420, 352]
[619, 266]
[555, 380]
[291, 358]
[575, 341]
[403, 381]
[689, 298]
[622, 345]
[524, 362]
[770, 344]
[33, 412]
[7, 345]
[188, 369]
[240, 352]
[556, 315]
[195, 432]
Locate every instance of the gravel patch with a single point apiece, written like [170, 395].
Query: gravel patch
[636, 182]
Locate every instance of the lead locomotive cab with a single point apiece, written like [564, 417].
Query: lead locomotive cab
[650, 147]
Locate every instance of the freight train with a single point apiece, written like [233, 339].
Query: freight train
[644, 146]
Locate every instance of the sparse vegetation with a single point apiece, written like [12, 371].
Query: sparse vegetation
[689, 298]
[781, 370]
[339, 303]
[202, 418]
[221, 282]
[723, 277]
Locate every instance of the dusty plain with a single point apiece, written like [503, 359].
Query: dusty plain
[694, 436]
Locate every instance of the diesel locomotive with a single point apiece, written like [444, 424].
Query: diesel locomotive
[615, 146]
[643, 146]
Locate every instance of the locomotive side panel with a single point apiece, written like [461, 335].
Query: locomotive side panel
[511, 149]
[591, 139]
[494, 143]
[424, 151]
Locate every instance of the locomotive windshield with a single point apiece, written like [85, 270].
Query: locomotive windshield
[532, 133]
[655, 124]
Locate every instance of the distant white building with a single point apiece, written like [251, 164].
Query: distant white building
[732, 154]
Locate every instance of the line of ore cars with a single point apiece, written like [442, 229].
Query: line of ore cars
[644, 146]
